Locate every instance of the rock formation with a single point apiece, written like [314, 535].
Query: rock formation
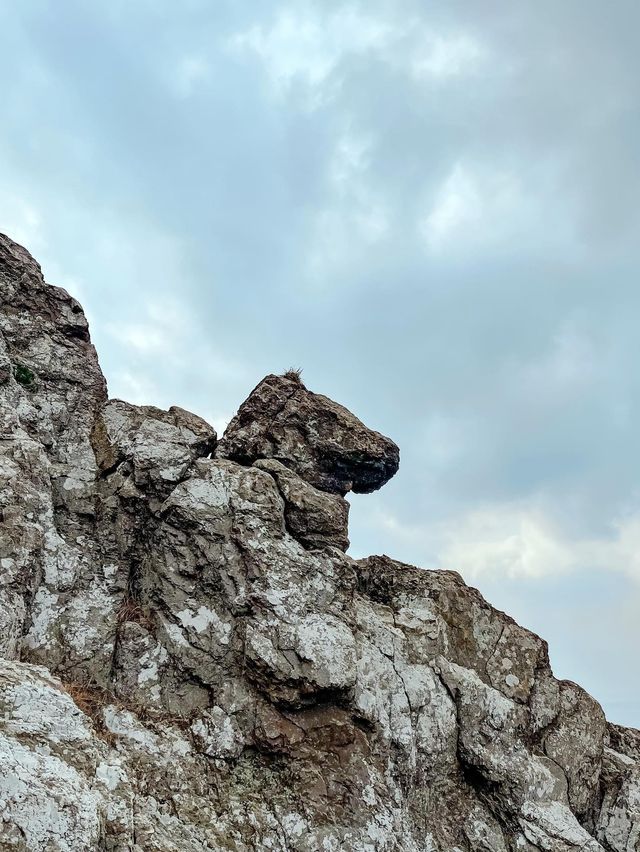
[190, 660]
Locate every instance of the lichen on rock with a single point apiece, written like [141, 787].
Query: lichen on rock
[189, 659]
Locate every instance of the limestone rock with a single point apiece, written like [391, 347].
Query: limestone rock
[317, 438]
[159, 445]
[190, 661]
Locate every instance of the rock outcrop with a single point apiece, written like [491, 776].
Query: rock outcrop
[313, 436]
[190, 660]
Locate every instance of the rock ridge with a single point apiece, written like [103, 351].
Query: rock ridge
[190, 660]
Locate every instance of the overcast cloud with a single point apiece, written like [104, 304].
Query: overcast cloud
[430, 207]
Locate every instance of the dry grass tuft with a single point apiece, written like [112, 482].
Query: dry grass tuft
[91, 700]
[294, 374]
[132, 610]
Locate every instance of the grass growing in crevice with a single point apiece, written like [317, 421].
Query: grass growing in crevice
[24, 376]
[91, 700]
[132, 610]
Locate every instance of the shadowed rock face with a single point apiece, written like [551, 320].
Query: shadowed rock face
[320, 440]
[189, 660]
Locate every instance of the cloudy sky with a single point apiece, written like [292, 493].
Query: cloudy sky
[430, 207]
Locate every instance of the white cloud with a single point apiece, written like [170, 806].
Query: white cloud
[623, 553]
[355, 217]
[507, 542]
[350, 161]
[22, 221]
[191, 71]
[140, 337]
[162, 330]
[301, 43]
[571, 365]
[473, 209]
[451, 56]
[513, 541]
[136, 388]
[305, 44]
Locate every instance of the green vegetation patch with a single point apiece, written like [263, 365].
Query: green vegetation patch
[24, 376]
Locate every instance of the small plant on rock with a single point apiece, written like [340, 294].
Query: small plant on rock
[132, 610]
[24, 376]
[91, 700]
[294, 374]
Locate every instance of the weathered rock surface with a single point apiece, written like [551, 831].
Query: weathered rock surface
[189, 660]
[315, 518]
[317, 438]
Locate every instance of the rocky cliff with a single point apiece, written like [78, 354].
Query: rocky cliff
[190, 660]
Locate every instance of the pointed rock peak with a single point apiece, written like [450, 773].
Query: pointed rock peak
[16, 262]
[45, 346]
[23, 291]
[321, 441]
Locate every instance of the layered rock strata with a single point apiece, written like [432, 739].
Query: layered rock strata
[190, 660]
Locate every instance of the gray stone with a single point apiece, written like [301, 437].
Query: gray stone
[315, 518]
[317, 438]
[190, 661]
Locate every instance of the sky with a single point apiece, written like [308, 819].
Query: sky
[429, 207]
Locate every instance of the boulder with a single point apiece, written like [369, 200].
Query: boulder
[323, 442]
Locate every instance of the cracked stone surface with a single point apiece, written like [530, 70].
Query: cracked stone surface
[321, 441]
[189, 660]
